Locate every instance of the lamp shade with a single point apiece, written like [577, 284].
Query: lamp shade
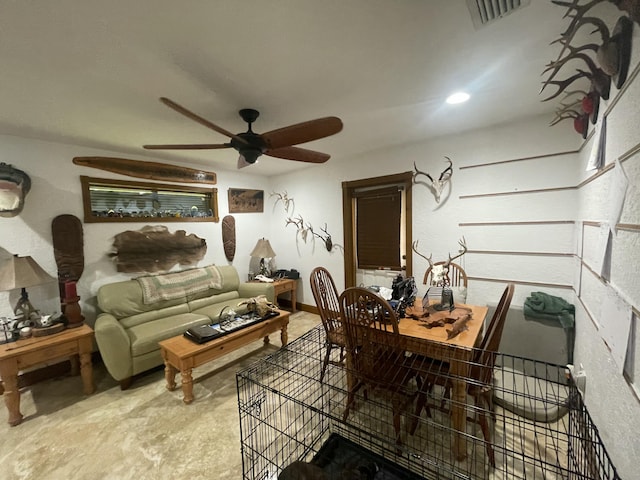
[263, 249]
[21, 272]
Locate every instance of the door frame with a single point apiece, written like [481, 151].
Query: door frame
[348, 228]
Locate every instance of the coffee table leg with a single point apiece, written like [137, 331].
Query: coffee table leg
[284, 336]
[266, 340]
[170, 376]
[86, 371]
[9, 374]
[187, 386]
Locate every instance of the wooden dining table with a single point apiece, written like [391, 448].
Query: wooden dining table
[457, 352]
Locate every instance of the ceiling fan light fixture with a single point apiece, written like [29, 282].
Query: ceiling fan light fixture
[458, 97]
[250, 155]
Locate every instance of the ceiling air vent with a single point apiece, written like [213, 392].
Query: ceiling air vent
[484, 12]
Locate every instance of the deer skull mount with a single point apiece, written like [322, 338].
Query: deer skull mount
[440, 272]
[436, 186]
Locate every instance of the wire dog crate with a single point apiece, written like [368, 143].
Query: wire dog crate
[540, 428]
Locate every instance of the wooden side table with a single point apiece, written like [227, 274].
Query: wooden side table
[285, 285]
[22, 354]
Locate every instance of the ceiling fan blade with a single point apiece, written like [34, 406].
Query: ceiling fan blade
[302, 132]
[199, 119]
[298, 154]
[203, 146]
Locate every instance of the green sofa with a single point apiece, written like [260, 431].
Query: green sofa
[128, 330]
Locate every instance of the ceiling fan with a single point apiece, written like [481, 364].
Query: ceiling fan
[276, 143]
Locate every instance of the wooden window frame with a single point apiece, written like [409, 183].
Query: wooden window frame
[89, 217]
[348, 190]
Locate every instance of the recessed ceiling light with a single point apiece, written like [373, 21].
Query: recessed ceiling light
[458, 97]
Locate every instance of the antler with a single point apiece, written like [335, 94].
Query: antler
[579, 9]
[296, 221]
[562, 84]
[284, 197]
[418, 172]
[414, 247]
[447, 171]
[462, 242]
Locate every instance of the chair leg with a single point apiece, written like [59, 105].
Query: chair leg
[484, 425]
[342, 355]
[325, 362]
[396, 427]
[421, 403]
[351, 398]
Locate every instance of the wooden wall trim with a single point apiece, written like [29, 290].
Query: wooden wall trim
[521, 282]
[518, 192]
[522, 159]
[532, 254]
[599, 173]
[501, 224]
[631, 227]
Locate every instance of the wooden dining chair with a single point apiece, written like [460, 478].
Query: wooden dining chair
[375, 358]
[325, 295]
[456, 276]
[480, 378]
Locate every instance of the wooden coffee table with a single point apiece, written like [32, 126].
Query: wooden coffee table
[182, 355]
[72, 343]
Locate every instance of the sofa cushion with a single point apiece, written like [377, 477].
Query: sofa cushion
[124, 299]
[230, 283]
[145, 336]
[199, 303]
[133, 320]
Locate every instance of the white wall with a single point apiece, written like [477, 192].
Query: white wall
[317, 193]
[611, 400]
[55, 190]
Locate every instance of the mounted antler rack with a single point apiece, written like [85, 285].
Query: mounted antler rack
[605, 61]
[436, 186]
[303, 229]
[440, 272]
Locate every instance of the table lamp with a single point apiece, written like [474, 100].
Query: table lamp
[22, 272]
[263, 250]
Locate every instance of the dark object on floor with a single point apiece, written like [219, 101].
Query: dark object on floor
[302, 471]
[342, 459]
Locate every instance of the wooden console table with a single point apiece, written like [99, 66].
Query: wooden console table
[285, 285]
[73, 343]
[182, 355]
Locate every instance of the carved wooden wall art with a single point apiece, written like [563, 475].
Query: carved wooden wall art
[149, 170]
[14, 187]
[229, 237]
[154, 249]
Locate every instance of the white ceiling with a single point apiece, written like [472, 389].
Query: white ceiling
[90, 72]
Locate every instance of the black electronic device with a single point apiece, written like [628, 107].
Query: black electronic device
[206, 333]
[203, 333]
[292, 274]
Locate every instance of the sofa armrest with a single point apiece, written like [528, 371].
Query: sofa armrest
[253, 289]
[114, 345]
